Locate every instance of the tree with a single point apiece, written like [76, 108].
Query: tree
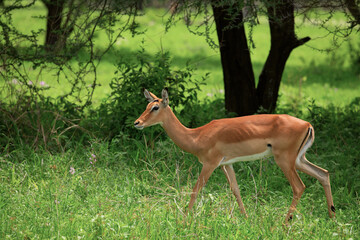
[354, 10]
[236, 62]
[65, 50]
[56, 34]
[241, 94]
[71, 27]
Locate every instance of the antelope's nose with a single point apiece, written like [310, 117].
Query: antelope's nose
[137, 124]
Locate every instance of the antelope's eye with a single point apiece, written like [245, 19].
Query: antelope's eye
[154, 108]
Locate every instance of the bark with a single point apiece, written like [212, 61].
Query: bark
[239, 81]
[241, 95]
[53, 27]
[140, 5]
[283, 41]
[354, 9]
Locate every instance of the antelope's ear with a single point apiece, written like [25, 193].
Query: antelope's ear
[165, 97]
[149, 96]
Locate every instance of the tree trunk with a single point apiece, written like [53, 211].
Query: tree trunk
[283, 41]
[53, 27]
[241, 96]
[239, 81]
[354, 9]
[140, 5]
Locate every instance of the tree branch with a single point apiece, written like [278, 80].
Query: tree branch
[301, 41]
[354, 9]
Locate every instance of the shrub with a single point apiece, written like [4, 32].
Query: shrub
[126, 101]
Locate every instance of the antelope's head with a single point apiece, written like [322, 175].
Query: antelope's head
[154, 112]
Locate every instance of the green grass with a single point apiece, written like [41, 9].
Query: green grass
[141, 189]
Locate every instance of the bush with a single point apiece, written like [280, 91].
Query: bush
[126, 101]
[33, 120]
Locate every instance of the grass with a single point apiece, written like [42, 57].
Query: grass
[141, 189]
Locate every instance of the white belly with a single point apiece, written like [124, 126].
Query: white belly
[226, 161]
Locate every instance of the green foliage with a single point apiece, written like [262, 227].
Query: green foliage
[126, 101]
[354, 54]
[203, 112]
[338, 129]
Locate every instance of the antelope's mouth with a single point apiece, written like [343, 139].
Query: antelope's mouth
[139, 127]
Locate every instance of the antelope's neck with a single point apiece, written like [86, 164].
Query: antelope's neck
[182, 136]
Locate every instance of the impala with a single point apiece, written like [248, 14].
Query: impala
[223, 142]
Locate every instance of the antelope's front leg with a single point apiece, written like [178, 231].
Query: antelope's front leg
[205, 173]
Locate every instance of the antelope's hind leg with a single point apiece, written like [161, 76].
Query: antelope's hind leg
[230, 176]
[298, 187]
[320, 174]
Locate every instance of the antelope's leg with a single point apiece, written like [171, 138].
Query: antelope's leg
[205, 173]
[231, 178]
[288, 167]
[320, 174]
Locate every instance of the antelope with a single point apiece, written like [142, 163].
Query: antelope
[223, 142]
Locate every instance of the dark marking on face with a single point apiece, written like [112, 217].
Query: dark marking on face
[290, 218]
[269, 145]
[154, 108]
[333, 208]
[156, 100]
